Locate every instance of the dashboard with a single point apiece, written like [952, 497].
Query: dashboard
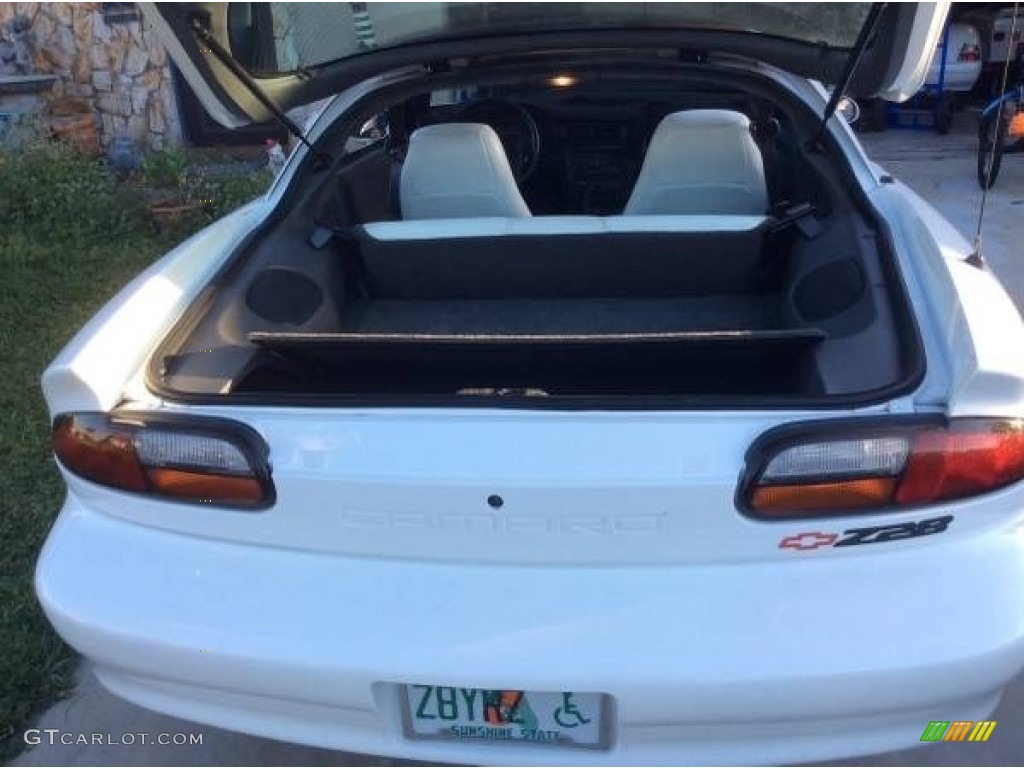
[600, 161]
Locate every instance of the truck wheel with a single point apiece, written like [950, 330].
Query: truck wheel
[943, 112]
[880, 114]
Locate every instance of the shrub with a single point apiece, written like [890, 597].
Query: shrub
[179, 178]
[231, 192]
[165, 168]
[54, 193]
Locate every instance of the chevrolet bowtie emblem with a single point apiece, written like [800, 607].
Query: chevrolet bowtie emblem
[808, 540]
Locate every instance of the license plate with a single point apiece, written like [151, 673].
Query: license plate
[477, 714]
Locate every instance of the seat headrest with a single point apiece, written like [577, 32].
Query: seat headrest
[701, 161]
[458, 170]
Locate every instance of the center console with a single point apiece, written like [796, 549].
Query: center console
[600, 163]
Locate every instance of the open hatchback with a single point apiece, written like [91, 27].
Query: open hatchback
[656, 226]
[542, 410]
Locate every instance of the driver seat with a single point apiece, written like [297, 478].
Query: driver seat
[458, 171]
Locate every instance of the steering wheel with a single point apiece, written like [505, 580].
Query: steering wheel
[516, 128]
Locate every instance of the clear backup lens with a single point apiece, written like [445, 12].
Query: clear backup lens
[157, 448]
[874, 456]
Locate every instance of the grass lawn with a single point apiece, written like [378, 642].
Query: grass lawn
[71, 235]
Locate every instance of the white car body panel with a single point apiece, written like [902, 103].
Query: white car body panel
[812, 657]
[618, 563]
[591, 489]
[977, 335]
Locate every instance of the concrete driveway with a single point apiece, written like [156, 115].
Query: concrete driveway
[942, 170]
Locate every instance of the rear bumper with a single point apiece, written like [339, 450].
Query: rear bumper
[781, 662]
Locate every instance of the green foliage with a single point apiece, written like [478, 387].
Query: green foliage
[224, 195]
[71, 235]
[52, 193]
[51, 286]
[165, 168]
[172, 178]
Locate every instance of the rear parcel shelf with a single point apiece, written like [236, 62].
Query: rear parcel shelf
[317, 343]
[655, 363]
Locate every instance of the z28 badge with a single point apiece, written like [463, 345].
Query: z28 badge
[878, 534]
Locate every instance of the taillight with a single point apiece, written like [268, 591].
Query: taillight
[833, 468]
[969, 52]
[200, 460]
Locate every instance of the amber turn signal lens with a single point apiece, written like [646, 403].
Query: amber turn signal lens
[92, 448]
[211, 489]
[785, 500]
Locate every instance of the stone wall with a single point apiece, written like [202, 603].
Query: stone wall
[119, 69]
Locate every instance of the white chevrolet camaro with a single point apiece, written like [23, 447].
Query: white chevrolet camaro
[579, 393]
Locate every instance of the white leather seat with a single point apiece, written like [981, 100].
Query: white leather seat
[458, 170]
[701, 161]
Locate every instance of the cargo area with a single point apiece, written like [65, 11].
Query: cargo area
[739, 307]
[746, 277]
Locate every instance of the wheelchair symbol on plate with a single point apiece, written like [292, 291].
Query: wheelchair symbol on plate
[568, 715]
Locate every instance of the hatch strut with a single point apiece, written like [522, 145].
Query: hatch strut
[863, 38]
[202, 30]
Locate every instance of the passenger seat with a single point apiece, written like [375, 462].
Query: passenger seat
[701, 161]
[458, 171]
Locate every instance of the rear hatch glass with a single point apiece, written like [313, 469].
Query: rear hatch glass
[270, 38]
